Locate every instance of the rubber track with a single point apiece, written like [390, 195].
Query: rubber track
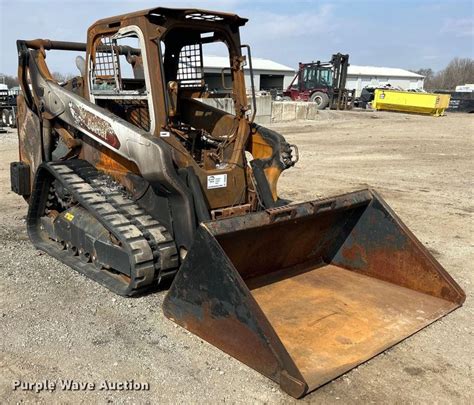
[150, 248]
[160, 240]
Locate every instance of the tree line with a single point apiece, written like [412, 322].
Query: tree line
[458, 72]
[12, 81]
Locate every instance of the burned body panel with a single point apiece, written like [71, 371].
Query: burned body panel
[136, 183]
[29, 137]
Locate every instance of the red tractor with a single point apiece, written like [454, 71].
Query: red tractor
[323, 83]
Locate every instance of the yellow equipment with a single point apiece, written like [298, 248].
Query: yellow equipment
[411, 102]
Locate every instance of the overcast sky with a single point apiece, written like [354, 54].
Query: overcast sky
[408, 34]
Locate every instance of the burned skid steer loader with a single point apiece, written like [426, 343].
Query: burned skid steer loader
[134, 181]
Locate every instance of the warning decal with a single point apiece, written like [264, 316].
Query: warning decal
[69, 216]
[217, 181]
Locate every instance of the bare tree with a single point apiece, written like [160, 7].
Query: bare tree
[459, 71]
[10, 81]
[427, 72]
[62, 77]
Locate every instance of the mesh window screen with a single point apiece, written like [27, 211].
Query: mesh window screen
[190, 66]
[105, 74]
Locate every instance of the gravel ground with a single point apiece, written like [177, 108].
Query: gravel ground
[56, 324]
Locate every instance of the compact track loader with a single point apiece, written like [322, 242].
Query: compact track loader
[132, 180]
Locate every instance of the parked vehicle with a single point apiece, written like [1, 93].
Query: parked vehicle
[8, 110]
[323, 83]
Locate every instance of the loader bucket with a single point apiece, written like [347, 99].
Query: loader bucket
[306, 292]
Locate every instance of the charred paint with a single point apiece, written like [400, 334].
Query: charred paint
[29, 137]
[209, 298]
[94, 125]
[306, 292]
[381, 246]
[252, 285]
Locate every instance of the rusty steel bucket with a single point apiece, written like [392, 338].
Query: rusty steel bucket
[306, 292]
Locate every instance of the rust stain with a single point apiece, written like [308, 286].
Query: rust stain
[29, 136]
[229, 333]
[330, 319]
[272, 174]
[406, 267]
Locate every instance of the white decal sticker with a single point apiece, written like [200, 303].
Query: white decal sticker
[164, 134]
[217, 181]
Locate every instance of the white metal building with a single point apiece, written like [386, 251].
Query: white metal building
[359, 77]
[267, 73]
[273, 75]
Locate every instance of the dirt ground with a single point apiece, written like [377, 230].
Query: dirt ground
[56, 324]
